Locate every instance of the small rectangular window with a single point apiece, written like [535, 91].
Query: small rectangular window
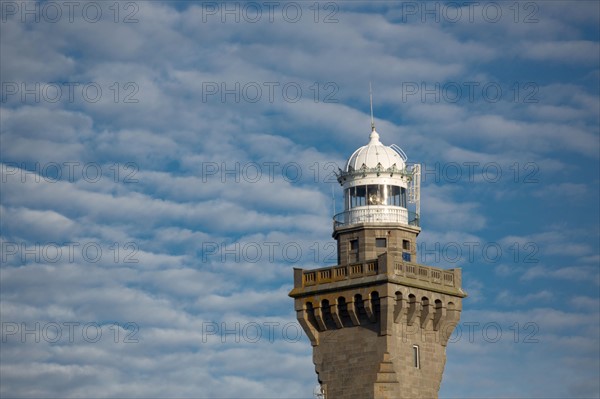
[353, 252]
[406, 256]
[380, 242]
[406, 245]
[416, 357]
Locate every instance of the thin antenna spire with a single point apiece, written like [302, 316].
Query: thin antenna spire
[333, 199]
[371, 98]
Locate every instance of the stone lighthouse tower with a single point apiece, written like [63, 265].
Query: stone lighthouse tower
[378, 321]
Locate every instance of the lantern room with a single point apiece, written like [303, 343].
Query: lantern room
[378, 186]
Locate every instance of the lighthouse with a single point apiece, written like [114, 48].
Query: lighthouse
[379, 188]
[378, 321]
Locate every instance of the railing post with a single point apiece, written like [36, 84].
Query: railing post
[382, 264]
[457, 277]
[298, 277]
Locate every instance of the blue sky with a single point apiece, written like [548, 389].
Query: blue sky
[165, 165]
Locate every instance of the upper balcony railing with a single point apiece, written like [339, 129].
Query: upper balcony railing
[396, 268]
[376, 214]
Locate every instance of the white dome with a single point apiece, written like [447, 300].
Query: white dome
[375, 153]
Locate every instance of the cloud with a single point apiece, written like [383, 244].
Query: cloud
[156, 206]
[541, 336]
[508, 298]
[44, 226]
[585, 302]
[571, 273]
[568, 51]
[446, 212]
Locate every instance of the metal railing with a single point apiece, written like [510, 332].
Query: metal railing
[376, 214]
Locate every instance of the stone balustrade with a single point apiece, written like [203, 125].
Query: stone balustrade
[392, 266]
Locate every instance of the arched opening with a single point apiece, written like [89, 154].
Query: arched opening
[310, 313]
[398, 306]
[425, 312]
[359, 306]
[438, 313]
[343, 312]
[376, 303]
[327, 318]
[412, 309]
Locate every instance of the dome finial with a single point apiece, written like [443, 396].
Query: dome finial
[371, 98]
[374, 136]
